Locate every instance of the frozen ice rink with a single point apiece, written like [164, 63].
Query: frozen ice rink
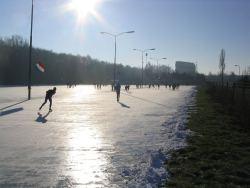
[90, 140]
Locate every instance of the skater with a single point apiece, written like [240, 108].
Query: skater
[118, 90]
[48, 96]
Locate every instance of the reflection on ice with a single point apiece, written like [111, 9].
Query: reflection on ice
[83, 92]
[84, 157]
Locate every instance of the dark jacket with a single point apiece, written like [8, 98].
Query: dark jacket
[118, 87]
[50, 93]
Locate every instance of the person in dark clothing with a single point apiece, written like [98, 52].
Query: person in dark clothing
[48, 96]
[118, 90]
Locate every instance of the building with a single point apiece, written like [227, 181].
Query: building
[185, 67]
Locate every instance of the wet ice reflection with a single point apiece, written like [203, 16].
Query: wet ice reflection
[84, 157]
[83, 92]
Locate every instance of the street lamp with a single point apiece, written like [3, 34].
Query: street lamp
[30, 52]
[142, 53]
[238, 67]
[115, 36]
[157, 60]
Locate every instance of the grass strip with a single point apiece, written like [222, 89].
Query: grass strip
[218, 153]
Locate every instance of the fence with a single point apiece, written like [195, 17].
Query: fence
[235, 97]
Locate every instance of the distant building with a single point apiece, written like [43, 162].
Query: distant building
[185, 67]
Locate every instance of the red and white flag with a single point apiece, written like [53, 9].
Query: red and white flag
[40, 67]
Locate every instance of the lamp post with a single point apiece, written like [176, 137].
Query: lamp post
[142, 53]
[157, 60]
[238, 67]
[30, 52]
[115, 36]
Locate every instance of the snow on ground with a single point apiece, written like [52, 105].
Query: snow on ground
[90, 140]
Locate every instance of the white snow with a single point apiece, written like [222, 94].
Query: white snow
[90, 140]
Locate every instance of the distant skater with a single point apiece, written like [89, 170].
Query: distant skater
[48, 96]
[118, 90]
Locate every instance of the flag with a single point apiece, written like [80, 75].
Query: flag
[40, 67]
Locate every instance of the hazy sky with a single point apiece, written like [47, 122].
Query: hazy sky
[187, 30]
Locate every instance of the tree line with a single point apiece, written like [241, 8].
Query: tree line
[61, 68]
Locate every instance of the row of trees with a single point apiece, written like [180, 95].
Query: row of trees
[59, 68]
[66, 68]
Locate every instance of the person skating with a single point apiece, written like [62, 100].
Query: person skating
[48, 96]
[118, 90]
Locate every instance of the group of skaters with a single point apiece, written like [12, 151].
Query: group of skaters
[172, 86]
[71, 85]
[98, 86]
[115, 87]
[127, 87]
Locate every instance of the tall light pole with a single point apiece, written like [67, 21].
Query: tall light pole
[115, 36]
[30, 52]
[238, 67]
[142, 53]
[157, 61]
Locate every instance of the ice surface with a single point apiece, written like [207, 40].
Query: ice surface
[90, 140]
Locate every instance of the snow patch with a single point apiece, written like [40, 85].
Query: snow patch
[149, 172]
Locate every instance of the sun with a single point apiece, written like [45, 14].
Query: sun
[84, 9]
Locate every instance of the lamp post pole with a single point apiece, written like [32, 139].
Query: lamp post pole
[142, 69]
[146, 54]
[30, 52]
[114, 76]
[115, 36]
[157, 61]
[142, 54]
[238, 67]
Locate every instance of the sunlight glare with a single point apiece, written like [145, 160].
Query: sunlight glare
[85, 158]
[83, 92]
[83, 9]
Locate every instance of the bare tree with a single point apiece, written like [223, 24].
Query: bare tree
[222, 65]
